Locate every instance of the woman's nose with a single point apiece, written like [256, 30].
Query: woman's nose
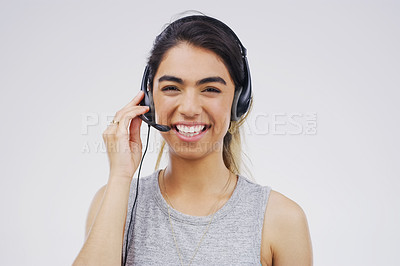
[190, 104]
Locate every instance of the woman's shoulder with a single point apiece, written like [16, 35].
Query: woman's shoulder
[281, 207]
[278, 207]
[285, 228]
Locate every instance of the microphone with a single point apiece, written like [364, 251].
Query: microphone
[159, 127]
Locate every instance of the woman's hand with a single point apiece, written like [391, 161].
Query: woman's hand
[123, 143]
[105, 223]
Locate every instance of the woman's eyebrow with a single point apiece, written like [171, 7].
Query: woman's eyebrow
[170, 78]
[199, 82]
[211, 79]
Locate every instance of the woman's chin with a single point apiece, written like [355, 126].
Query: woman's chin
[191, 151]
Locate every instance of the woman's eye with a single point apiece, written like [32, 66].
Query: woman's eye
[169, 88]
[210, 89]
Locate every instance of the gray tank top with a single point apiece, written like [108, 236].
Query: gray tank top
[233, 237]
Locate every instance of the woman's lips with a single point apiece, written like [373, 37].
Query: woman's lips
[190, 130]
[190, 133]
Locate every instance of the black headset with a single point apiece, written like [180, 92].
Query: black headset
[243, 94]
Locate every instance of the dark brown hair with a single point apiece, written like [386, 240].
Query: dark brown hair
[204, 32]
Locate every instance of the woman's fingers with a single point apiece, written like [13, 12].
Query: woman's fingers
[125, 115]
[136, 100]
[134, 134]
[122, 139]
[129, 114]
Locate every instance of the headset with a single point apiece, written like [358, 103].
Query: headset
[240, 105]
[243, 94]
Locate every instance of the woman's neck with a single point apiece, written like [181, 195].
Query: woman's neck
[197, 187]
[200, 177]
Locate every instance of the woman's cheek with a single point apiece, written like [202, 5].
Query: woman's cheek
[163, 112]
[224, 117]
[222, 126]
[161, 117]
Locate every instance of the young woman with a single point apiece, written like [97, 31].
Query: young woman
[199, 210]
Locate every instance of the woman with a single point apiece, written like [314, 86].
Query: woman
[198, 210]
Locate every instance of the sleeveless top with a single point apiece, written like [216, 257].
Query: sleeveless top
[233, 236]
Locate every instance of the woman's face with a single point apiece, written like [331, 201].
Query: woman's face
[193, 94]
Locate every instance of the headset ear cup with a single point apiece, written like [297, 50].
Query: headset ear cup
[234, 110]
[148, 97]
[151, 112]
[244, 98]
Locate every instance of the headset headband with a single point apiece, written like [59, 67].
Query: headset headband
[243, 94]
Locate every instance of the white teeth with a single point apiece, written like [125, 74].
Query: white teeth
[190, 130]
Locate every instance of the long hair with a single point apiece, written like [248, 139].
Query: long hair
[201, 31]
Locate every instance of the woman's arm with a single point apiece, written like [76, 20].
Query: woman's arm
[107, 214]
[105, 225]
[285, 238]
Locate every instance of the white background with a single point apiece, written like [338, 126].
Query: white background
[64, 61]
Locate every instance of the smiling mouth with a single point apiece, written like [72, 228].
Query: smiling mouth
[190, 131]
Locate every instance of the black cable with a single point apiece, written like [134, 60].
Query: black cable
[137, 192]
